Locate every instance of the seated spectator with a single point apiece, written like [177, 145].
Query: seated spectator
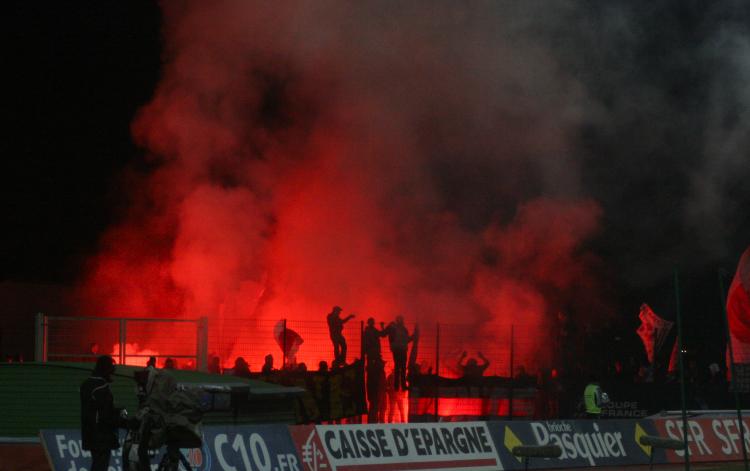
[215, 366]
[523, 379]
[241, 368]
[268, 365]
[322, 367]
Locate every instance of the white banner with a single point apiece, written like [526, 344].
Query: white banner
[392, 447]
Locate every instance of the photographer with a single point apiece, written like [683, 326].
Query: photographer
[99, 417]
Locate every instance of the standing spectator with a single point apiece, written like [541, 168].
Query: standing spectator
[268, 365]
[399, 338]
[375, 372]
[336, 329]
[395, 400]
[371, 341]
[99, 417]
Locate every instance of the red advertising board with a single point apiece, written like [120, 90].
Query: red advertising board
[384, 447]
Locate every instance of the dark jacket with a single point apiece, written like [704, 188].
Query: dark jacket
[398, 337]
[371, 342]
[99, 418]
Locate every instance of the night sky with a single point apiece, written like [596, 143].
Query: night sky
[76, 73]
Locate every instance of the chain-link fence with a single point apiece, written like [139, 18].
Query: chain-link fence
[439, 347]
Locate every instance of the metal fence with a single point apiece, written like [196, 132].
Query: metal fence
[439, 345]
[128, 340]
[191, 343]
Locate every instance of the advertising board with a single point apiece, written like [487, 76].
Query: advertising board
[431, 446]
[427, 446]
[584, 443]
[709, 438]
[226, 448]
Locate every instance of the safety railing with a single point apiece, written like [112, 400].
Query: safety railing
[129, 340]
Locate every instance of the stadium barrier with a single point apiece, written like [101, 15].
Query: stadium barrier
[442, 445]
[660, 442]
[536, 451]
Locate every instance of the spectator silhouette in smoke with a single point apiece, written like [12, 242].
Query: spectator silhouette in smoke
[371, 341]
[241, 368]
[99, 417]
[471, 369]
[398, 339]
[268, 365]
[215, 366]
[375, 384]
[395, 400]
[336, 329]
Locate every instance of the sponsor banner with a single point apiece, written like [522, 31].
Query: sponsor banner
[391, 447]
[709, 438]
[226, 448]
[583, 442]
[624, 409]
[328, 396]
[65, 451]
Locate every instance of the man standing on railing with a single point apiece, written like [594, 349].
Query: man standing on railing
[371, 341]
[399, 338]
[336, 329]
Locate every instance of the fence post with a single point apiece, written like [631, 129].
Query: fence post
[40, 337]
[123, 339]
[512, 380]
[361, 344]
[437, 371]
[202, 347]
[681, 358]
[283, 349]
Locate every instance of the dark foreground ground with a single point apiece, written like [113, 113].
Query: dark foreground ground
[673, 467]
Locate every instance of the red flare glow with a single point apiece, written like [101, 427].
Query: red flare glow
[287, 182]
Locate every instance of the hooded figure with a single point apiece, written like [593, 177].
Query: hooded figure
[99, 417]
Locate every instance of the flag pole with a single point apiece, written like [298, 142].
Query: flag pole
[683, 394]
[733, 381]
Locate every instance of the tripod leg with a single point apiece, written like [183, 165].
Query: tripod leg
[651, 460]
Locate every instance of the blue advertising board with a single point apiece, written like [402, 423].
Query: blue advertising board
[226, 448]
[584, 443]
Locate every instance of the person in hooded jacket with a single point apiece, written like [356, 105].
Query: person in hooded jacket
[99, 417]
[398, 339]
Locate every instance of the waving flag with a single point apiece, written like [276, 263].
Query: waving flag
[288, 340]
[652, 331]
[738, 310]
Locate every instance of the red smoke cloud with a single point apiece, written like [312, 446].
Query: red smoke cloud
[305, 156]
